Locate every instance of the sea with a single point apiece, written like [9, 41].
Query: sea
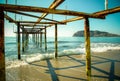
[66, 46]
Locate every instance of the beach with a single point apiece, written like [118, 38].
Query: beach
[105, 67]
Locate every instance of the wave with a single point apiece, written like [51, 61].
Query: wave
[34, 54]
[65, 42]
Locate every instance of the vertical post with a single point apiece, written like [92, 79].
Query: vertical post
[40, 39]
[23, 39]
[45, 40]
[87, 47]
[18, 39]
[106, 4]
[36, 38]
[56, 43]
[2, 49]
[27, 39]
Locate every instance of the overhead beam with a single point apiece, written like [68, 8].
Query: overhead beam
[103, 12]
[9, 18]
[31, 25]
[31, 32]
[52, 6]
[32, 28]
[47, 10]
[22, 13]
[39, 22]
[108, 11]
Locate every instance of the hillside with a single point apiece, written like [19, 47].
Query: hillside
[95, 33]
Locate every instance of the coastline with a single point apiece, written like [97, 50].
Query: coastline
[105, 67]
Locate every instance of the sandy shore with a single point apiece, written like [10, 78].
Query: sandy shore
[105, 67]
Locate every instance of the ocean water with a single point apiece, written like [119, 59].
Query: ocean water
[66, 46]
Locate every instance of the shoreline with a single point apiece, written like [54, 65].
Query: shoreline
[105, 66]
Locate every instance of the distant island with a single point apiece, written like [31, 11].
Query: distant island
[95, 33]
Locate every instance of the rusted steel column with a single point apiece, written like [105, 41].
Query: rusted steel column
[41, 40]
[2, 49]
[45, 40]
[23, 40]
[56, 42]
[87, 47]
[18, 39]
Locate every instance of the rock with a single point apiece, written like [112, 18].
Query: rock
[95, 33]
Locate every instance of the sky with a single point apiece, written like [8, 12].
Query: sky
[110, 24]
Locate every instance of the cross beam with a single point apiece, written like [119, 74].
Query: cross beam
[22, 13]
[47, 10]
[39, 22]
[52, 6]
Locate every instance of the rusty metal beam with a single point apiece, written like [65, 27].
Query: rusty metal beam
[47, 10]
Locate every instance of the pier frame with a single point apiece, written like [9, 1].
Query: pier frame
[45, 39]
[46, 11]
